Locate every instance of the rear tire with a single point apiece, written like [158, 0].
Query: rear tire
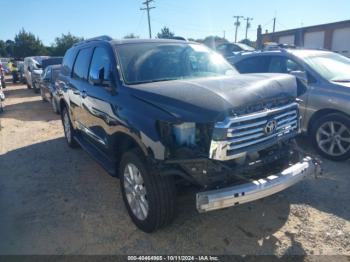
[69, 131]
[42, 95]
[36, 90]
[149, 192]
[331, 136]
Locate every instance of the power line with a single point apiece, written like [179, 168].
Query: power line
[148, 8]
[237, 24]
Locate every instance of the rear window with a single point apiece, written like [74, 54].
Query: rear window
[51, 61]
[259, 64]
[55, 74]
[68, 62]
[81, 65]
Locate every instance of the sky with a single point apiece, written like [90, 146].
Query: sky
[48, 19]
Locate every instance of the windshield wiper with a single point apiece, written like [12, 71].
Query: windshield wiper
[341, 80]
[155, 80]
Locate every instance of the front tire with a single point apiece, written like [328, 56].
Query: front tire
[54, 105]
[331, 136]
[69, 131]
[149, 198]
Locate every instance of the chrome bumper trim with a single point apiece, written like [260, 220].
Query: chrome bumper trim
[237, 195]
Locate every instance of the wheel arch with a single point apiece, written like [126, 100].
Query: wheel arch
[123, 142]
[321, 113]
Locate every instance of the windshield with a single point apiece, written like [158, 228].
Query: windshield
[55, 73]
[245, 47]
[331, 66]
[151, 62]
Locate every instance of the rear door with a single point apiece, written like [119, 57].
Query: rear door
[78, 86]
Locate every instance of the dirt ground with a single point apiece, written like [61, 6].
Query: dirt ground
[55, 200]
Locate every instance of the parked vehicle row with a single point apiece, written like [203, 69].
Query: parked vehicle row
[48, 87]
[33, 69]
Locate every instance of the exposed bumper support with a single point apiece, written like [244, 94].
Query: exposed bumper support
[236, 195]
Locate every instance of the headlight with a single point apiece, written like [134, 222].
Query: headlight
[185, 134]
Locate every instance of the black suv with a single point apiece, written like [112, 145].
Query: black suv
[161, 114]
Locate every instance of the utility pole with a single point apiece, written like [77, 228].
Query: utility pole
[224, 34]
[148, 8]
[237, 24]
[248, 19]
[274, 29]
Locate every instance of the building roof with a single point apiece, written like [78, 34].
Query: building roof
[335, 24]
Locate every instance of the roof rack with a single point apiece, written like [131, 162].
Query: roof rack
[97, 38]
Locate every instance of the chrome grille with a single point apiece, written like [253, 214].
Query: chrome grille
[247, 131]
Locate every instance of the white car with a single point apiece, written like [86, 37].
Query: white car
[32, 65]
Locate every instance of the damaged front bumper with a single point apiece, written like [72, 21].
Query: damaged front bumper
[257, 189]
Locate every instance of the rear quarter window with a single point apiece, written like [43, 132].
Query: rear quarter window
[68, 61]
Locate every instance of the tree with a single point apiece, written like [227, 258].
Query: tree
[130, 36]
[63, 43]
[3, 52]
[26, 44]
[9, 47]
[165, 33]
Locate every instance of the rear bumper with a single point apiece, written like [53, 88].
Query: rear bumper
[236, 195]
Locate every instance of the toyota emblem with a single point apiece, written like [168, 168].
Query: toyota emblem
[270, 127]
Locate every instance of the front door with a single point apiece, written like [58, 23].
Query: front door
[98, 103]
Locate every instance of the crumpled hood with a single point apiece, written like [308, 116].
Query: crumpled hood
[208, 99]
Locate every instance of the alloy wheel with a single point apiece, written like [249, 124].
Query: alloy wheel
[66, 126]
[135, 191]
[333, 138]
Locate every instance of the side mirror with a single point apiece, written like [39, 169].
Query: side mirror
[301, 75]
[98, 78]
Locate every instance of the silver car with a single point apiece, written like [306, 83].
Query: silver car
[325, 107]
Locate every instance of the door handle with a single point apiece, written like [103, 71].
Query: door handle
[76, 92]
[83, 94]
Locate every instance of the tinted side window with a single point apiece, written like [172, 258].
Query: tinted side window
[55, 74]
[100, 64]
[235, 48]
[259, 64]
[68, 62]
[293, 66]
[81, 65]
[221, 48]
[277, 65]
